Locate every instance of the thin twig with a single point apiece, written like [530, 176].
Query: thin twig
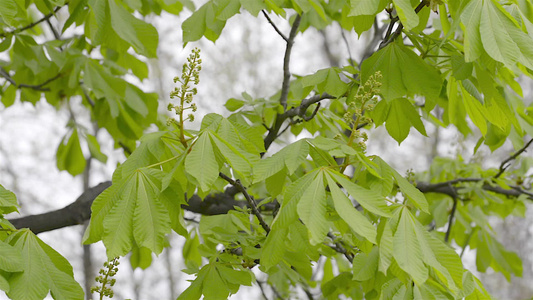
[38, 87]
[340, 248]
[251, 202]
[261, 288]
[274, 25]
[45, 18]
[389, 39]
[450, 221]
[293, 112]
[56, 34]
[347, 46]
[286, 61]
[506, 163]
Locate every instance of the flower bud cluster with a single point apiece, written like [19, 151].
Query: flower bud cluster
[186, 91]
[364, 101]
[109, 270]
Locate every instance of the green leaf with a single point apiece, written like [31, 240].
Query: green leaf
[287, 213]
[410, 191]
[365, 265]
[344, 207]
[461, 69]
[201, 162]
[312, 209]
[406, 13]
[253, 6]
[403, 72]
[363, 7]
[140, 35]
[475, 110]
[151, 221]
[10, 258]
[326, 81]
[471, 20]
[274, 247]
[69, 156]
[140, 258]
[8, 201]
[44, 270]
[130, 213]
[94, 148]
[8, 12]
[407, 252]
[370, 200]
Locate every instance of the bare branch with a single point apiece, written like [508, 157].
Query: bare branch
[286, 61]
[251, 202]
[449, 188]
[450, 221]
[31, 25]
[506, 163]
[389, 39]
[274, 25]
[293, 112]
[340, 248]
[38, 87]
[75, 213]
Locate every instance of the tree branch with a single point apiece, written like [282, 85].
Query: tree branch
[286, 61]
[31, 25]
[251, 202]
[38, 87]
[75, 213]
[274, 25]
[293, 112]
[389, 39]
[79, 211]
[450, 221]
[449, 188]
[505, 164]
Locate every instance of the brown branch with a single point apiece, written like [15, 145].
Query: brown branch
[31, 25]
[449, 188]
[389, 39]
[274, 25]
[251, 202]
[38, 87]
[286, 61]
[450, 221]
[340, 248]
[75, 213]
[506, 163]
[293, 112]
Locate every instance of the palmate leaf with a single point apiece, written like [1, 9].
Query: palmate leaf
[344, 207]
[403, 72]
[216, 281]
[130, 212]
[43, 270]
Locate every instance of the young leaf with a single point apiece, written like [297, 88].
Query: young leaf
[201, 162]
[312, 209]
[407, 252]
[370, 200]
[344, 207]
[8, 201]
[69, 156]
[44, 270]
